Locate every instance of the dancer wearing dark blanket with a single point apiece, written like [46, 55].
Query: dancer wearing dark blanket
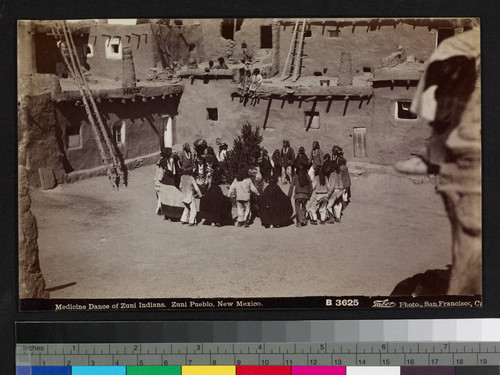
[266, 166]
[215, 207]
[275, 207]
[301, 159]
[169, 197]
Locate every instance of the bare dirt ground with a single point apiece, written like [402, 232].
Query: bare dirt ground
[99, 243]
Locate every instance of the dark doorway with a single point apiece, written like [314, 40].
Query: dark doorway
[359, 142]
[266, 37]
[230, 26]
[46, 54]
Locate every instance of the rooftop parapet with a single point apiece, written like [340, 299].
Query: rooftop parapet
[102, 89]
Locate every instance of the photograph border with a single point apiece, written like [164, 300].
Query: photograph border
[488, 13]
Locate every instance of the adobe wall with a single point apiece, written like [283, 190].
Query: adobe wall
[250, 34]
[367, 47]
[394, 139]
[336, 128]
[141, 134]
[283, 123]
[26, 62]
[145, 52]
[179, 38]
[387, 139]
[215, 45]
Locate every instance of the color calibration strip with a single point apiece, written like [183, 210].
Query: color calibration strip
[257, 370]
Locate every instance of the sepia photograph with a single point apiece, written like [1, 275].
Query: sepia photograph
[249, 163]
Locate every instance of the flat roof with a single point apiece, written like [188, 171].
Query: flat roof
[401, 72]
[311, 86]
[111, 89]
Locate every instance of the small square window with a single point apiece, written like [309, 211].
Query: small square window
[311, 120]
[73, 137]
[333, 33]
[114, 48]
[308, 33]
[119, 133]
[444, 33]
[403, 111]
[212, 114]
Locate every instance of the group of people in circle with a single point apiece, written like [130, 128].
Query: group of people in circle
[319, 184]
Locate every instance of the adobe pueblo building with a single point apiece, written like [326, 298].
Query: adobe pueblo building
[340, 81]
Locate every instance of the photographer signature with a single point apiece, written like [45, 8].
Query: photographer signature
[383, 303]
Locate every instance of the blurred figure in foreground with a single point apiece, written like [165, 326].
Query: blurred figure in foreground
[449, 98]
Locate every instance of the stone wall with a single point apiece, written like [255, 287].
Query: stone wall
[31, 281]
[40, 143]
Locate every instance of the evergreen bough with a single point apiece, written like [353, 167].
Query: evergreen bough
[246, 151]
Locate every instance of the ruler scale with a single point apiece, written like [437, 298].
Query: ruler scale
[261, 354]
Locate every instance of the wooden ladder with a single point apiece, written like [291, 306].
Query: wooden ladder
[162, 46]
[295, 52]
[114, 168]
